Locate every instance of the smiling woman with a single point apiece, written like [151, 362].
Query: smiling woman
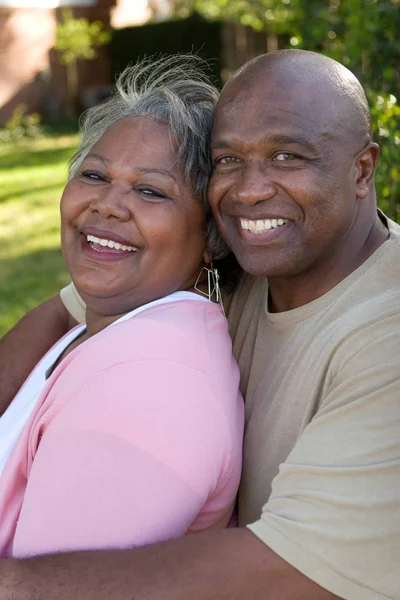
[130, 194]
[129, 430]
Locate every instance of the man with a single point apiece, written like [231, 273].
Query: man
[319, 351]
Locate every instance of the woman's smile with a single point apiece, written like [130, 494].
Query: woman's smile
[106, 245]
[132, 230]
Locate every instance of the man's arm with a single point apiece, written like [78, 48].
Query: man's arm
[227, 565]
[27, 342]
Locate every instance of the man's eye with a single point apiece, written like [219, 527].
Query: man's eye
[226, 160]
[284, 156]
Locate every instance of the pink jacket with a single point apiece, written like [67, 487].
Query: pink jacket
[136, 438]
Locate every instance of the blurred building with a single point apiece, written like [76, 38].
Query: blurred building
[30, 73]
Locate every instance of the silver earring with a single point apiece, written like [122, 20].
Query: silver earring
[212, 284]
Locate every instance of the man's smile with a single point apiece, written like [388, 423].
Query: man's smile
[261, 225]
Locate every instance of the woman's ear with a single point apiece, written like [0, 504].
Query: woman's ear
[207, 257]
[365, 169]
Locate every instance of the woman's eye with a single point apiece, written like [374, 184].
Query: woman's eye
[284, 156]
[92, 175]
[152, 194]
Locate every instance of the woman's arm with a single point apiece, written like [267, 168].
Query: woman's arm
[27, 342]
[139, 455]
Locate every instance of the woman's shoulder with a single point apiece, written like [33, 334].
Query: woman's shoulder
[188, 332]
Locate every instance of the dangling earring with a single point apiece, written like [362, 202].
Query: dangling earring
[212, 283]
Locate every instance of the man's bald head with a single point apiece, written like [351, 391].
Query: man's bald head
[329, 89]
[292, 153]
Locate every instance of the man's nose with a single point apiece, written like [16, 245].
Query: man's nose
[255, 185]
[112, 202]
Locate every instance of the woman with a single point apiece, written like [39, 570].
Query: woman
[135, 436]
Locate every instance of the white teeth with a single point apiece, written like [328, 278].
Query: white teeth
[261, 225]
[109, 243]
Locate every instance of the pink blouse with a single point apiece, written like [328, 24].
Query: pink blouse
[136, 438]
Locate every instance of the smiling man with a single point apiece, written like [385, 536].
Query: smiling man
[316, 332]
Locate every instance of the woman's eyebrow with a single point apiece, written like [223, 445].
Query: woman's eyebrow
[157, 172]
[98, 156]
[107, 161]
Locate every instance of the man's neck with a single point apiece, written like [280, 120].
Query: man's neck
[288, 293]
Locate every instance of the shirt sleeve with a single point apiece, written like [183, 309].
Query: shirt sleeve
[334, 511]
[139, 455]
[73, 302]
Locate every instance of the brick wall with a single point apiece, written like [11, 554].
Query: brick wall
[30, 73]
[26, 34]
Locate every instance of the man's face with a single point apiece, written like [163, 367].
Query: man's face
[283, 184]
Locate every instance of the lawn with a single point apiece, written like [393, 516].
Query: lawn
[32, 176]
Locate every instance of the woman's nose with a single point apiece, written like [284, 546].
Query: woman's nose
[255, 185]
[112, 202]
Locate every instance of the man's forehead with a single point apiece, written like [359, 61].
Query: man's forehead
[250, 117]
[276, 103]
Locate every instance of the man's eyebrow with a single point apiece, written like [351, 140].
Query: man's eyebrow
[220, 145]
[270, 139]
[107, 161]
[289, 139]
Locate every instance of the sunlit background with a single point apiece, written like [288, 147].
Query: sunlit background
[59, 57]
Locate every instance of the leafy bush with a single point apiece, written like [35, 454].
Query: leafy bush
[363, 35]
[21, 126]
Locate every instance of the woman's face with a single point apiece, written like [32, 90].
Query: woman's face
[131, 230]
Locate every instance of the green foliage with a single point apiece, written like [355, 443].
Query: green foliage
[386, 118]
[258, 14]
[21, 126]
[78, 38]
[194, 34]
[361, 34]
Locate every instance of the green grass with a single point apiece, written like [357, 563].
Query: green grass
[32, 176]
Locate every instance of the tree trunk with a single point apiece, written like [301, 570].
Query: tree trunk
[72, 89]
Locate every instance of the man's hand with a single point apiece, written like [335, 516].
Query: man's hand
[231, 564]
[27, 342]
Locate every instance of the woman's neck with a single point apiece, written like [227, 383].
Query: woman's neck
[96, 323]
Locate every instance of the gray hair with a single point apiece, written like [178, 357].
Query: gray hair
[175, 91]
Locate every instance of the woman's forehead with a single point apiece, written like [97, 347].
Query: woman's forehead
[140, 140]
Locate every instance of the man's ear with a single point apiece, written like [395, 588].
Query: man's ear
[365, 168]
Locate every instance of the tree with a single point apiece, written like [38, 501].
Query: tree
[362, 35]
[77, 39]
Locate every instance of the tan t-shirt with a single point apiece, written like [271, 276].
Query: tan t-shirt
[322, 442]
